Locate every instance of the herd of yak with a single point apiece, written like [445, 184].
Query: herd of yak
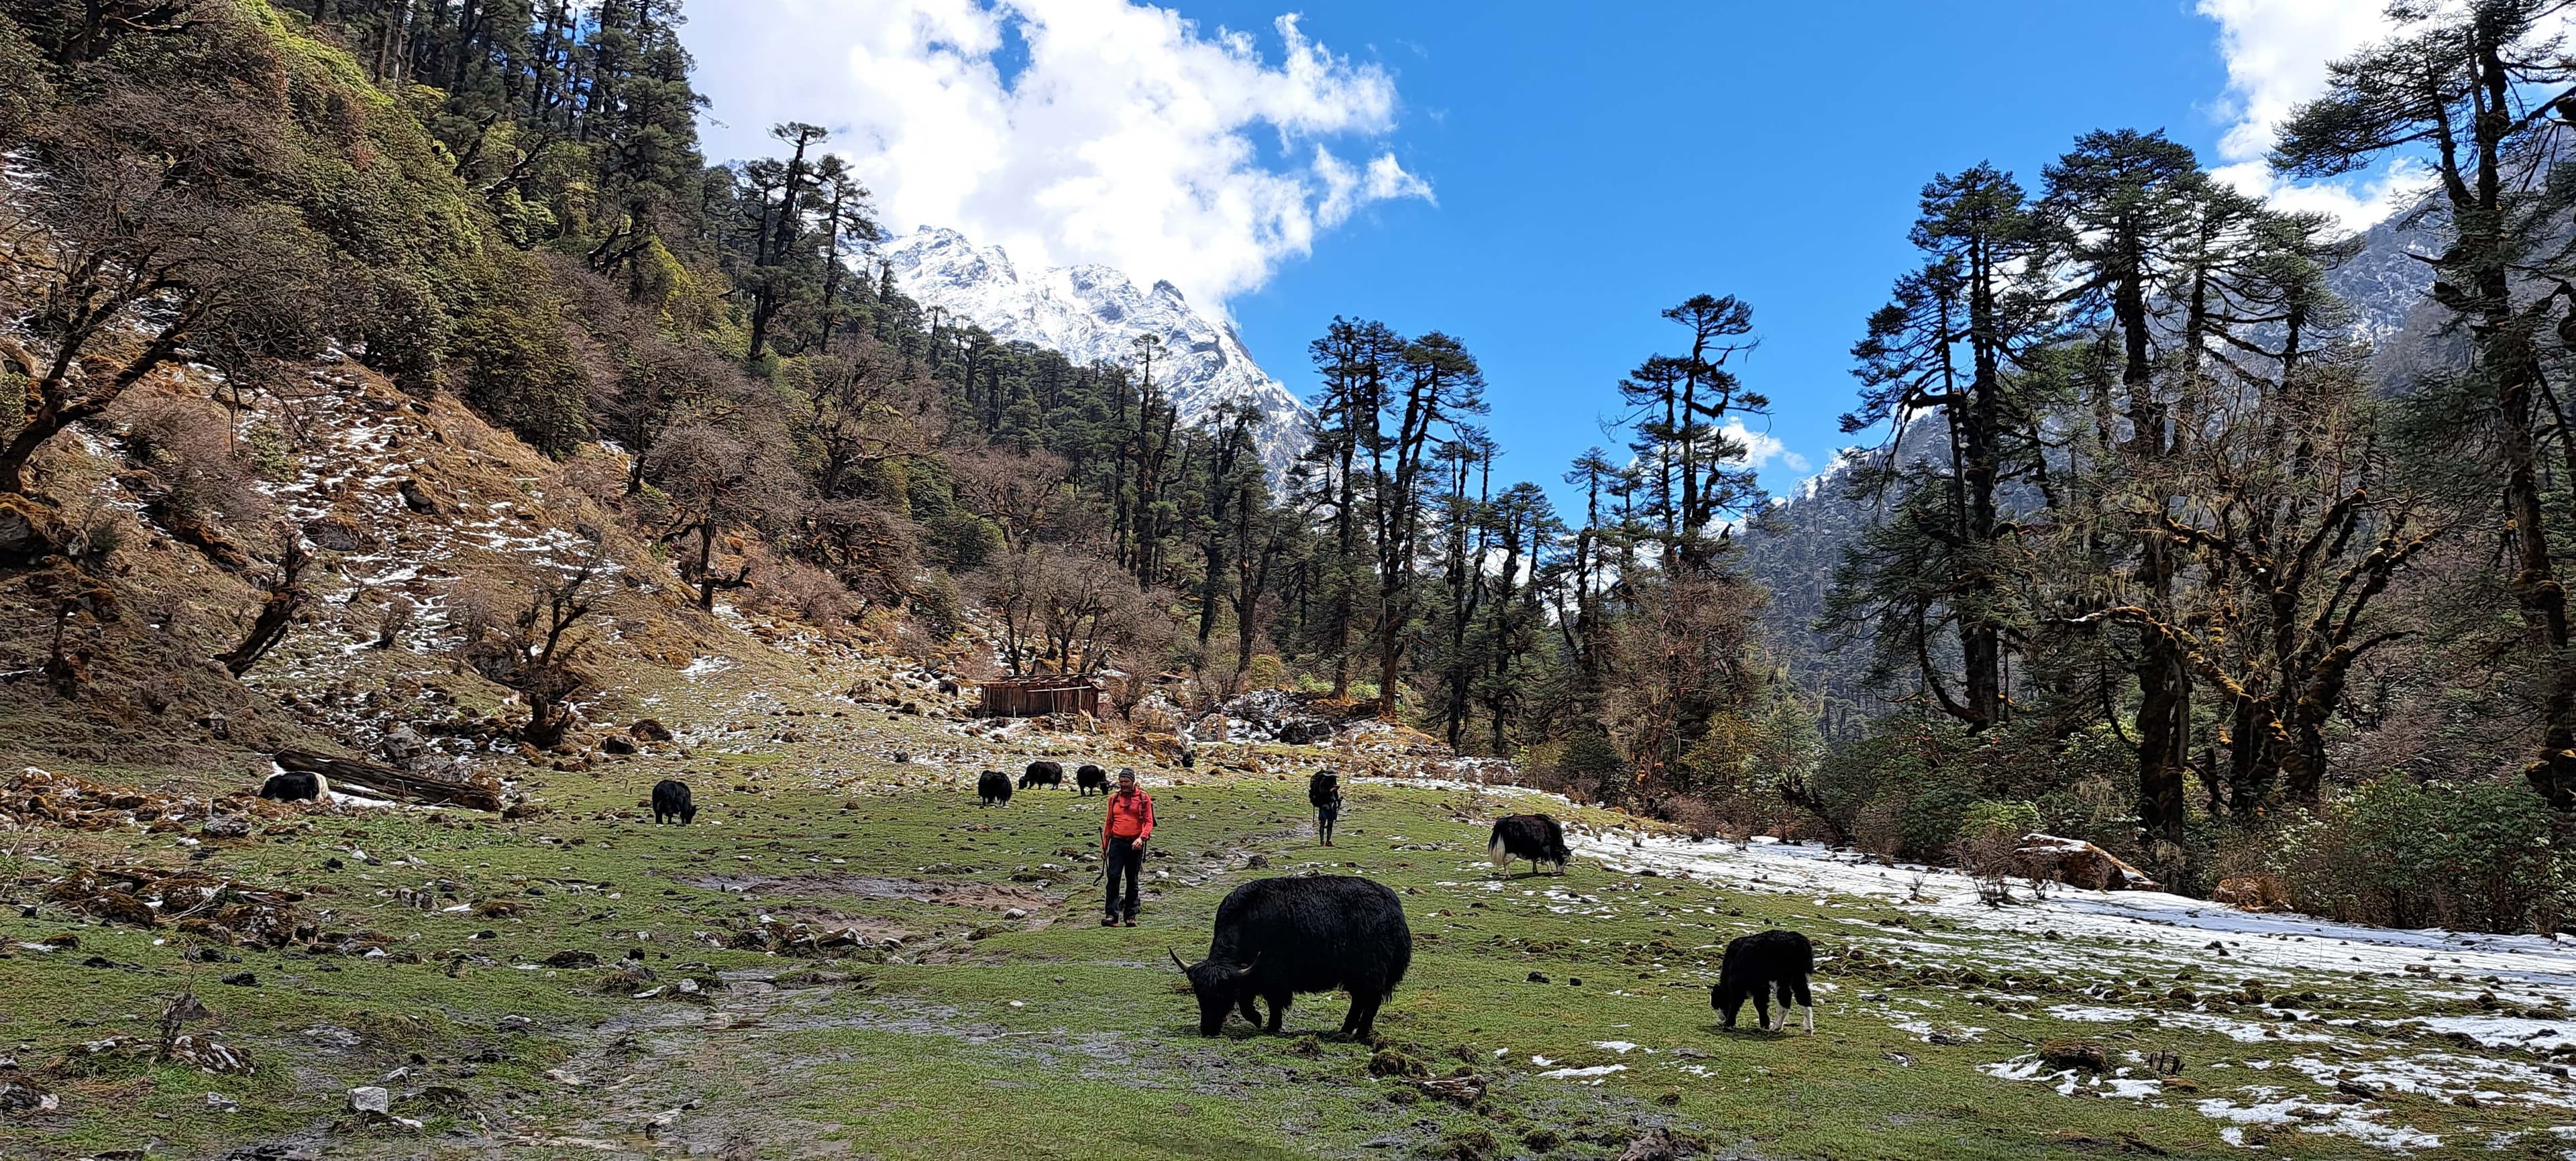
[1279, 937]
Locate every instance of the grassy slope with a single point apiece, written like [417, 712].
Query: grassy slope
[988, 1036]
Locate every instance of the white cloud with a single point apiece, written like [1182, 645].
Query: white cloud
[1761, 447]
[1071, 131]
[2276, 53]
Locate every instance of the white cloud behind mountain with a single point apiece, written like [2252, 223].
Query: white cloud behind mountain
[2276, 53]
[1072, 132]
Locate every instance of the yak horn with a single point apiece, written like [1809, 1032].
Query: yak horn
[1176, 960]
[1247, 967]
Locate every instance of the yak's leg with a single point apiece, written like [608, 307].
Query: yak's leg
[1251, 1015]
[1762, 1007]
[1278, 1009]
[1804, 997]
[1361, 1024]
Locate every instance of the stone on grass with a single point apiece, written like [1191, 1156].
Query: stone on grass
[372, 1099]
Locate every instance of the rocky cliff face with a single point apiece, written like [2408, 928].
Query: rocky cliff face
[1093, 312]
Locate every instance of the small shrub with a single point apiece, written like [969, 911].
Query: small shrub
[2009, 818]
[2471, 856]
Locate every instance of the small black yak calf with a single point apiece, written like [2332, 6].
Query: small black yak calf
[1278, 937]
[1325, 791]
[1756, 965]
[1535, 837]
[290, 786]
[993, 787]
[671, 800]
[1043, 773]
[1090, 778]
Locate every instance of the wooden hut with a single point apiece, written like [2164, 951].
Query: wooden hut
[1031, 697]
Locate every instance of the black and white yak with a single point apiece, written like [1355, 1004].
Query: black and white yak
[1278, 937]
[1090, 778]
[1755, 967]
[296, 786]
[1536, 837]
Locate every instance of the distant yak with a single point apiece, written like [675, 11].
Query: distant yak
[994, 787]
[1090, 778]
[1757, 965]
[671, 801]
[286, 786]
[1535, 837]
[1043, 773]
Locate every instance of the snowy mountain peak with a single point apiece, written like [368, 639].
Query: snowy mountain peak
[1093, 312]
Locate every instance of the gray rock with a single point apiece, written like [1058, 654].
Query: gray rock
[371, 1098]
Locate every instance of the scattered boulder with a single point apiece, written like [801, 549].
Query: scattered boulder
[570, 958]
[2081, 864]
[649, 730]
[417, 498]
[1460, 1090]
[403, 745]
[18, 1098]
[340, 532]
[1656, 1145]
[28, 532]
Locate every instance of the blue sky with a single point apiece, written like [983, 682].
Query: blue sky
[1538, 180]
[1594, 164]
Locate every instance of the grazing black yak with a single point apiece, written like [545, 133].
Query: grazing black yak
[1278, 937]
[993, 787]
[286, 786]
[1325, 791]
[671, 800]
[1757, 964]
[1043, 773]
[1090, 778]
[1535, 837]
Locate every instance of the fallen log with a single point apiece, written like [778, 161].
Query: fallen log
[386, 782]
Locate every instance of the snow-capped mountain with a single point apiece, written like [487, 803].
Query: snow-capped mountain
[1092, 313]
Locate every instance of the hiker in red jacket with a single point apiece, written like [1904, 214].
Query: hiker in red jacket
[1128, 822]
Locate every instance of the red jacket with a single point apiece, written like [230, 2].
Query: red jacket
[1130, 816]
